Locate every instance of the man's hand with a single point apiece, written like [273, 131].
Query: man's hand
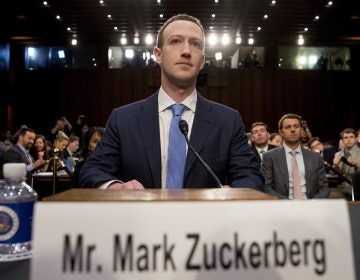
[131, 185]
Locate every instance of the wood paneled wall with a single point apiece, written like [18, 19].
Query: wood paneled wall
[328, 100]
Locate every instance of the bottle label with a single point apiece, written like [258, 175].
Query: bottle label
[16, 222]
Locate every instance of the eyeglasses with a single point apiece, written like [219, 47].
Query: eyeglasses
[262, 130]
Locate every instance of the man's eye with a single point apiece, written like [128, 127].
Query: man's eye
[175, 41]
[196, 45]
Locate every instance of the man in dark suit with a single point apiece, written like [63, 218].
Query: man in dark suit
[260, 138]
[133, 152]
[327, 153]
[19, 153]
[277, 165]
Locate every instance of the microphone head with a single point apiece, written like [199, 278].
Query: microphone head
[184, 127]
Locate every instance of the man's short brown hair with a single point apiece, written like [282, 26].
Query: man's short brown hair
[160, 36]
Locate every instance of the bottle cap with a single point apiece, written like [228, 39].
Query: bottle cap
[14, 171]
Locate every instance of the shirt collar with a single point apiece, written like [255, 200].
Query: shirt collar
[23, 149]
[288, 150]
[165, 101]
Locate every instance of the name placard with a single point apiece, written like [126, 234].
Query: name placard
[193, 240]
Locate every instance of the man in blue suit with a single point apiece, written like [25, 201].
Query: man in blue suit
[133, 152]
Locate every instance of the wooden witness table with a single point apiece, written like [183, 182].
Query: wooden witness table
[160, 195]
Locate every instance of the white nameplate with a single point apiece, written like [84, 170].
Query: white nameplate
[193, 240]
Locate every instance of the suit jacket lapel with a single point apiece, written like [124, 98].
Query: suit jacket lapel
[201, 128]
[148, 123]
[283, 167]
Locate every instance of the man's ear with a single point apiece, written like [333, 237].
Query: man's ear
[157, 54]
[203, 62]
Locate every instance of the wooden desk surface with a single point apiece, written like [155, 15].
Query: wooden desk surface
[159, 195]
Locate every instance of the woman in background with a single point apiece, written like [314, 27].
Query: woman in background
[39, 151]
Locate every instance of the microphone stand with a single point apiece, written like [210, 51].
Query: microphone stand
[184, 128]
[56, 163]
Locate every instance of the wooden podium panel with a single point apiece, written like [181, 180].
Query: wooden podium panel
[160, 195]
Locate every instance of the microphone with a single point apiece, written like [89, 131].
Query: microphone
[344, 160]
[184, 128]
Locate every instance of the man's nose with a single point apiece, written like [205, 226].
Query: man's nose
[186, 50]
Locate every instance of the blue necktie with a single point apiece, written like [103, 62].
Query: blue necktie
[176, 151]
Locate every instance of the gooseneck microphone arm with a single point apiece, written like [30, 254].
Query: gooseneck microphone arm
[184, 128]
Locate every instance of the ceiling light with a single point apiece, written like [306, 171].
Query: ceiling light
[74, 42]
[101, 2]
[218, 56]
[266, 16]
[238, 40]
[211, 27]
[149, 39]
[58, 17]
[316, 18]
[213, 15]
[129, 53]
[115, 28]
[258, 28]
[109, 16]
[330, 3]
[123, 40]
[45, 3]
[159, 1]
[273, 2]
[251, 41]
[301, 40]
[136, 40]
[225, 39]
[306, 29]
[161, 15]
[216, 1]
[68, 29]
[212, 39]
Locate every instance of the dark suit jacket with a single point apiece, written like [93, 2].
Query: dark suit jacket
[275, 171]
[15, 154]
[130, 148]
[256, 153]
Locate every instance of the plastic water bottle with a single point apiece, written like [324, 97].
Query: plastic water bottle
[16, 213]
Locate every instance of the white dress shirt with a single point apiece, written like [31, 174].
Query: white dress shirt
[301, 165]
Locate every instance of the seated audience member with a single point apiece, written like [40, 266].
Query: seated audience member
[19, 153]
[348, 160]
[275, 139]
[91, 138]
[69, 153]
[60, 143]
[39, 151]
[260, 137]
[290, 171]
[327, 153]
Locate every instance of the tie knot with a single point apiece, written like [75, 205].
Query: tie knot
[177, 109]
[293, 153]
[262, 151]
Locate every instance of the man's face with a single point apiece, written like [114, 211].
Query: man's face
[317, 146]
[182, 55]
[291, 131]
[349, 140]
[27, 141]
[259, 135]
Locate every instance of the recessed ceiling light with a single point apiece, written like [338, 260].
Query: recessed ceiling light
[213, 15]
[316, 18]
[306, 29]
[266, 16]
